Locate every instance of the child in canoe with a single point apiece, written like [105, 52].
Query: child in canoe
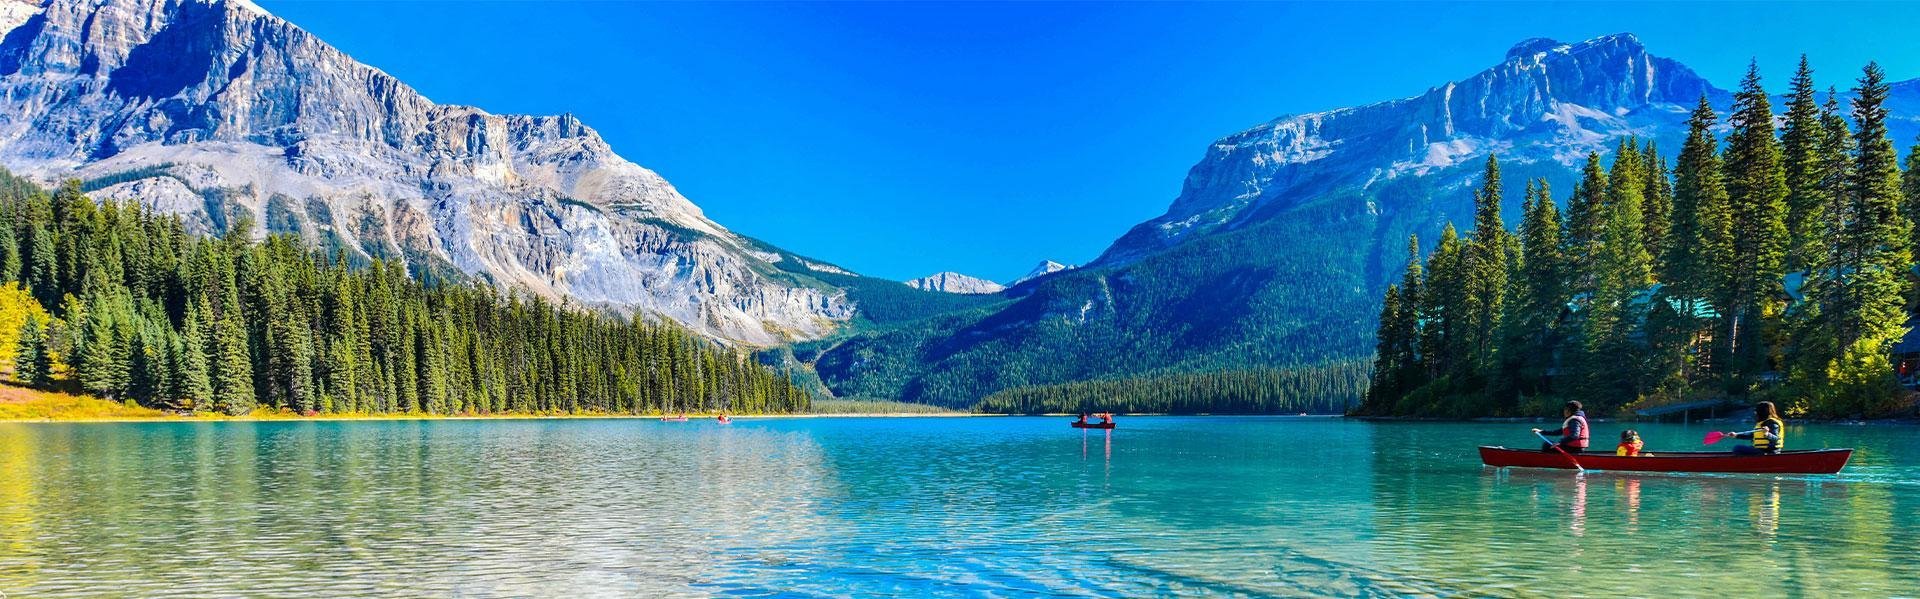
[1630, 444]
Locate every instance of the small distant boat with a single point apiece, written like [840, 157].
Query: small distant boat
[1802, 461]
[673, 418]
[723, 419]
[1078, 424]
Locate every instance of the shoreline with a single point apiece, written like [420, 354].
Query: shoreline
[424, 417]
[691, 418]
[1901, 420]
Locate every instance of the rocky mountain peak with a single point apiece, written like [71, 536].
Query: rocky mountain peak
[213, 109]
[1546, 102]
[953, 282]
[1528, 48]
[1044, 268]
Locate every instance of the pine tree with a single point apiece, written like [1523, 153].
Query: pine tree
[1444, 309]
[1584, 216]
[104, 353]
[150, 374]
[33, 363]
[1657, 212]
[1702, 234]
[1388, 360]
[1412, 309]
[1489, 254]
[1623, 232]
[1621, 273]
[1542, 294]
[194, 385]
[1813, 323]
[11, 266]
[43, 267]
[1873, 255]
[232, 371]
[1756, 191]
[1910, 185]
[1800, 143]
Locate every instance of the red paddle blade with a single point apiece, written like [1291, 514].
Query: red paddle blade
[1713, 437]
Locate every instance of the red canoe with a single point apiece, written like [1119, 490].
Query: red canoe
[1804, 461]
[1091, 424]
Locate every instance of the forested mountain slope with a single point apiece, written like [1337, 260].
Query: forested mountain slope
[1284, 235]
[122, 303]
[215, 109]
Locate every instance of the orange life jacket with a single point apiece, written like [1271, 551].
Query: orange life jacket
[1629, 448]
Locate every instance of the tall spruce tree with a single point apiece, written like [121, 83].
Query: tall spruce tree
[1910, 185]
[1584, 218]
[194, 387]
[232, 362]
[1413, 299]
[1542, 294]
[1444, 309]
[33, 360]
[1489, 254]
[1800, 147]
[1873, 256]
[1621, 273]
[1657, 206]
[1702, 224]
[1388, 361]
[1756, 191]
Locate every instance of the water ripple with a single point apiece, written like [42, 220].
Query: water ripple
[914, 508]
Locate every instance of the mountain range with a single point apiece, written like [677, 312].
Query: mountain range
[1273, 254]
[217, 110]
[1284, 235]
[953, 282]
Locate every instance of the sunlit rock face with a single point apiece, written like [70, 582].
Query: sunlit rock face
[1284, 237]
[1546, 102]
[216, 110]
[1044, 268]
[953, 282]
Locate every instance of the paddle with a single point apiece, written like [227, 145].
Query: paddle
[1563, 451]
[1716, 436]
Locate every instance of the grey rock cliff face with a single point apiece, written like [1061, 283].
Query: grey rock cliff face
[216, 109]
[953, 282]
[1546, 102]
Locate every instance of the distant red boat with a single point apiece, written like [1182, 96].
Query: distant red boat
[1077, 424]
[1803, 461]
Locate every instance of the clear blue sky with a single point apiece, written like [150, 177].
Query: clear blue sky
[904, 139]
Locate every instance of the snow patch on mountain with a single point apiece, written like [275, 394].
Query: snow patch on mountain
[1046, 267]
[1545, 102]
[211, 108]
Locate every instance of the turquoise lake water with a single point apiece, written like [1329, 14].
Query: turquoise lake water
[924, 507]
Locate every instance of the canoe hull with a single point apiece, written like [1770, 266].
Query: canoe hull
[1808, 461]
[1091, 424]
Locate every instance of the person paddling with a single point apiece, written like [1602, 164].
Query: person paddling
[1572, 431]
[1769, 432]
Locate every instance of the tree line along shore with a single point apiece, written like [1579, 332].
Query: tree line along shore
[109, 300]
[1776, 262]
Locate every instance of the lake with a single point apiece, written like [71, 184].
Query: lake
[923, 507]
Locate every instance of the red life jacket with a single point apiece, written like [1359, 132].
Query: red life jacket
[1628, 448]
[1580, 441]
